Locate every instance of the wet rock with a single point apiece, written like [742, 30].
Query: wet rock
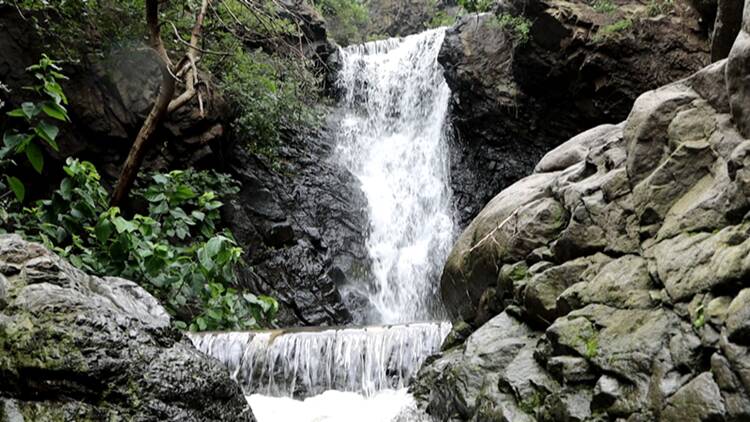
[642, 290]
[399, 18]
[699, 400]
[302, 221]
[738, 319]
[726, 27]
[513, 101]
[79, 347]
[477, 376]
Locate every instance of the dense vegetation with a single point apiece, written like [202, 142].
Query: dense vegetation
[177, 250]
[174, 243]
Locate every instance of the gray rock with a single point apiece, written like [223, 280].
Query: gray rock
[738, 66]
[692, 263]
[490, 375]
[698, 401]
[738, 319]
[79, 347]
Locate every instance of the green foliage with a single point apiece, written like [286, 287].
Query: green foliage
[592, 347]
[346, 19]
[612, 29]
[37, 117]
[271, 94]
[520, 26]
[700, 317]
[72, 29]
[476, 6]
[531, 403]
[175, 251]
[604, 6]
[441, 18]
[659, 7]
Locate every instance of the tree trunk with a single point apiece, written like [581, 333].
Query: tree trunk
[164, 103]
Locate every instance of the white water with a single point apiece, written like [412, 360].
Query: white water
[336, 406]
[393, 138]
[305, 363]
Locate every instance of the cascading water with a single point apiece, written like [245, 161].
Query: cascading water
[393, 138]
[302, 363]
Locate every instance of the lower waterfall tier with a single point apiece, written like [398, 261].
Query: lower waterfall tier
[304, 362]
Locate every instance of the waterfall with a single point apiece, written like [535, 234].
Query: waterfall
[393, 137]
[304, 363]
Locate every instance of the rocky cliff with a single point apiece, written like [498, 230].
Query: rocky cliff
[612, 284]
[84, 348]
[534, 73]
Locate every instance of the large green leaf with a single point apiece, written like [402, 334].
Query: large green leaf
[29, 110]
[48, 132]
[17, 187]
[55, 111]
[34, 154]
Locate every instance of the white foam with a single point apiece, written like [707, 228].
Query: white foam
[393, 138]
[337, 406]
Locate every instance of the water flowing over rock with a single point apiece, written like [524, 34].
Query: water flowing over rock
[393, 138]
[612, 284]
[308, 362]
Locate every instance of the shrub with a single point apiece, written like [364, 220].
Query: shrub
[476, 6]
[37, 118]
[604, 6]
[347, 19]
[520, 26]
[175, 252]
[441, 18]
[659, 7]
[271, 94]
[612, 29]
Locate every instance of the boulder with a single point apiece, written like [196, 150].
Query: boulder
[637, 302]
[79, 347]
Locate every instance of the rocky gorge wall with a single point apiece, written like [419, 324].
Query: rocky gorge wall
[517, 95]
[612, 284]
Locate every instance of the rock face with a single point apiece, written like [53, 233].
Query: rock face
[612, 284]
[399, 18]
[303, 221]
[514, 100]
[78, 347]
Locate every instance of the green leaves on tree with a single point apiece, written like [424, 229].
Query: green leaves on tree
[35, 115]
[176, 251]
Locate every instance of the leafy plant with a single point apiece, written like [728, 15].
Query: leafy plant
[612, 29]
[604, 6]
[37, 116]
[520, 26]
[175, 252]
[441, 18]
[476, 6]
[347, 19]
[659, 7]
[271, 95]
